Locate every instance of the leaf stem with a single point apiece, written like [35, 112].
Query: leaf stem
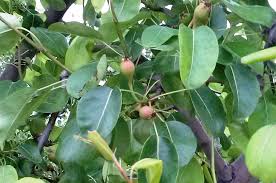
[50, 85]
[149, 89]
[169, 93]
[130, 85]
[32, 43]
[136, 93]
[118, 29]
[120, 168]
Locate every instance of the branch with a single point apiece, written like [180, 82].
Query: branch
[236, 172]
[11, 72]
[43, 139]
[224, 171]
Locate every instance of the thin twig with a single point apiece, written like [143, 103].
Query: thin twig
[38, 47]
[118, 29]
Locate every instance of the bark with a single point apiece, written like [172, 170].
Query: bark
[235, 172]
[43, 139]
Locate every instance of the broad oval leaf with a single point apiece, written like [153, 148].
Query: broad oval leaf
[8, 174]
[77, 81]
[79, 53]
[55, 42]
[55, 102]
[71, 149]
[245, 88]
[184, 141]
[191, 173]
[181, 136]
[15, 109]
[8, 37]
[252, 13]
[9, 87]
[209, 109]
[153, 169]
[218, 20]
[30, 151]
[198, 55]
[75, 28]
[166, 62]
[99, 110]
[163, 149]
[126, 9]
[156, 35]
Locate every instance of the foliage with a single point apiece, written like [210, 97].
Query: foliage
[101, 101]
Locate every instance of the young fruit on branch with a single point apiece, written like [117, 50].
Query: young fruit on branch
[127, 67]
[146, 112]
[201, 14]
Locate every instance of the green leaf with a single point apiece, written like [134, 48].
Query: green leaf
[55, 42]
[163, 149]
[71, 149]
[245, 88]
[198, 55]
[75, 173]
[239, 135]
[98, 4]
[264, 114]
[181, 99]
[75, 28]
[209, 109]
[29, 180]
[121, 138]
[153, 169]
[218, 20]
[9, 87]
[99, 110]
[184, 141]
[79, 53]
[77, 81]
[134, 34]
[126, 9]
[101, 68]
[255, 13]
[14, 111]
[166, 62]
[8, 37]
[191, 173]
[55, 102]
[108, 30]
[30, 151]
[156, 35]
[8, 174]
[181, 136]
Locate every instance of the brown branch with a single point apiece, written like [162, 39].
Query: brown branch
[226, 173]
[43, 139]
